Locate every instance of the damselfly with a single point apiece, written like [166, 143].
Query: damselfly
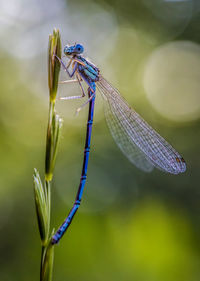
[139, 142]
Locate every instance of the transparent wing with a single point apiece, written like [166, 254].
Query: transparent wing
[129, 149]
[141, 144]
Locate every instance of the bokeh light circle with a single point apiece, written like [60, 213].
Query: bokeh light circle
[171, 80]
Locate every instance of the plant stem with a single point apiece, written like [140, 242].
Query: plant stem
[42, 192]
[42, 260]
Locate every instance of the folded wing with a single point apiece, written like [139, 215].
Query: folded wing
[140, 143]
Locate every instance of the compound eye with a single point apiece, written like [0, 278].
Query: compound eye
[79, 48]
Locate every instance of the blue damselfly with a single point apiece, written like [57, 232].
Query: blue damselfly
[139, 142]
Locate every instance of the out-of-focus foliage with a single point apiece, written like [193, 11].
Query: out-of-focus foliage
[131, 225]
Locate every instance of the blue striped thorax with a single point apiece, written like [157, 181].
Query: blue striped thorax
[90, 71]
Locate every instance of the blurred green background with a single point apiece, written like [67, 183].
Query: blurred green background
[131, 226]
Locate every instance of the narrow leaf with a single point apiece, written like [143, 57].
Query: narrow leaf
[41, 207]
[47, 266]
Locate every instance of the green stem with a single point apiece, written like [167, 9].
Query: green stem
[42, 192]
[42, 261]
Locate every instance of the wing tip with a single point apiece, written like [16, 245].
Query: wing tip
[180, 166]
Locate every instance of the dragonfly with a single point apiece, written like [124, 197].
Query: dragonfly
[137, 140]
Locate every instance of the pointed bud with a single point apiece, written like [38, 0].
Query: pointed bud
[53, 136]
[53, 63]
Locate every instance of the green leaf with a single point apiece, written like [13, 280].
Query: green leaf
[41, 207]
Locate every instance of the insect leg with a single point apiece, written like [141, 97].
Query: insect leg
[75, 97]
[66, 67]
[91, 89]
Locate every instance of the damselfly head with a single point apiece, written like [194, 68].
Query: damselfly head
[73, 50]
